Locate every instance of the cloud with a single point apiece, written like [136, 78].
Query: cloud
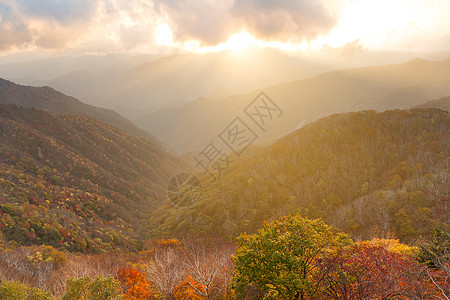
[122, 25]
[212, 22]
[284, 20]
[47, 24]
[64, 12]
[206, 21]
[13, 32]
[77, 25]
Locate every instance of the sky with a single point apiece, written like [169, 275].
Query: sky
[159, 26]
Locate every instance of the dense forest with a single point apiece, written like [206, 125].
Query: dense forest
[369, 174]
[76, 183]
[353, 206]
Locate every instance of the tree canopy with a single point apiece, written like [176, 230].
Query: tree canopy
[279, 259]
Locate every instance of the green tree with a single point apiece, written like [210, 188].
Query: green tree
[13, 290]
[278, 261]
[84, 288]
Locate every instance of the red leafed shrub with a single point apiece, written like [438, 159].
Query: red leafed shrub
[365, 271]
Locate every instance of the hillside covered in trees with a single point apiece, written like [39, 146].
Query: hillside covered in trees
[76, 194]
[441, 103]
[77, 183]
[368, 174]
[51, 100]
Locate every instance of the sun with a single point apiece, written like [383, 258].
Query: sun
[163, 34]
[241, 41]
[237, 42]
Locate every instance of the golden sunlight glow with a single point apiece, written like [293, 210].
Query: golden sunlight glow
[163, 34]
[373, 23]
[242, 41]
[369, 21]
[237, 42]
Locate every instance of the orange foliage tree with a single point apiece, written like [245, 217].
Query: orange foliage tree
[189, 289]
[134, 285]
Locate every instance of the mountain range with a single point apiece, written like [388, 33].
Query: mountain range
[85, 178]
[190, 127]
[134, 85]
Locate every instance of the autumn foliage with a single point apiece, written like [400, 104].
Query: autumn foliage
[296, 258]
[189, 289]
[70, 181]
[366, 271]
[134, 284]
[65, 232]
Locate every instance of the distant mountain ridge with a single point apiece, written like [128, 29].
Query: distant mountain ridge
[134, 85]
[442, 103]
[190, 127]
[179, 78]
[47, 98]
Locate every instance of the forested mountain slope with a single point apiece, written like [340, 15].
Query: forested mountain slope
[76, 182]
[46, 98]
[366, 173]
[441, 103]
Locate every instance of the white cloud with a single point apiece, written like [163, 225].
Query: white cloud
[212, 22]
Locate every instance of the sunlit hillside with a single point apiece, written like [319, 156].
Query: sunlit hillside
[369, 174]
